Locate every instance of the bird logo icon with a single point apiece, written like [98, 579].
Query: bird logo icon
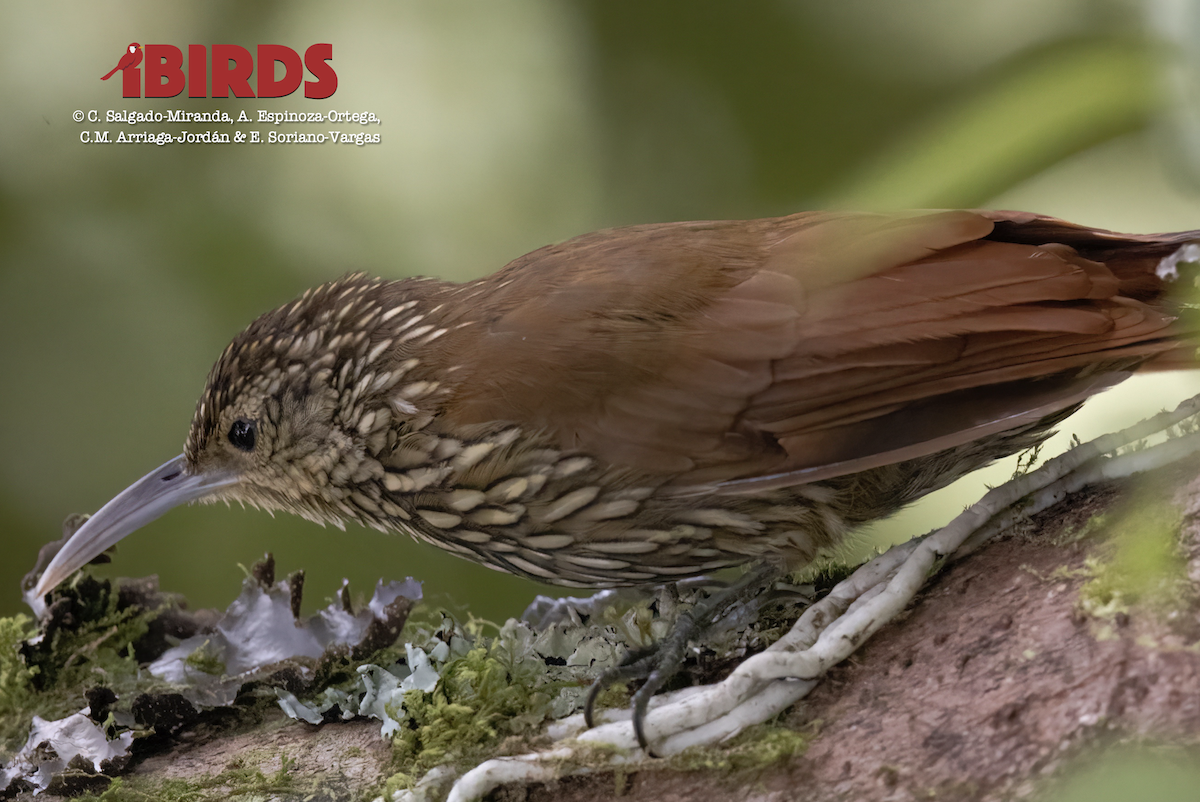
[130, 58]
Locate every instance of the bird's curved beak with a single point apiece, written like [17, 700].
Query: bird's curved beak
[148, 498]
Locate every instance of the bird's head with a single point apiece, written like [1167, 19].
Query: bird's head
[133, 48]
[294, 416]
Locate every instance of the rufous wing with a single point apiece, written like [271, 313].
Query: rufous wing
[749, 354]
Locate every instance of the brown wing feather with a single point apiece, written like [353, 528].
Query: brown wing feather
[773, 352]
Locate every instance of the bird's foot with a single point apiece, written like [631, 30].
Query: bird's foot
[658, 663]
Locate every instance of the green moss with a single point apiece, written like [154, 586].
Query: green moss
[754, 748]
[493, 696]
[94, 639]
[1141, 565]
[825, 572]
[15, 686]
[89, 643]
[235, 783]
[1027, 460]
[616, 695]
[204, 659]
[484, 696]
[1076, 532]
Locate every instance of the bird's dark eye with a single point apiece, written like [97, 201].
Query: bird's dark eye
[242, 434]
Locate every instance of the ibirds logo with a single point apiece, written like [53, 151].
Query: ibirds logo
[232, 66]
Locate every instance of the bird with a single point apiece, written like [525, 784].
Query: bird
[641, 405]
[130, 58]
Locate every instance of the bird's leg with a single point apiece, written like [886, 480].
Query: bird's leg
[658, 663]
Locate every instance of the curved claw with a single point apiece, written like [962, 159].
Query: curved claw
[589, 704]
[641, 700]
[665, 664]
[657, 664]
[636, 664]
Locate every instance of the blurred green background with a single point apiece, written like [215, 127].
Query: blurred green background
[124, 270]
